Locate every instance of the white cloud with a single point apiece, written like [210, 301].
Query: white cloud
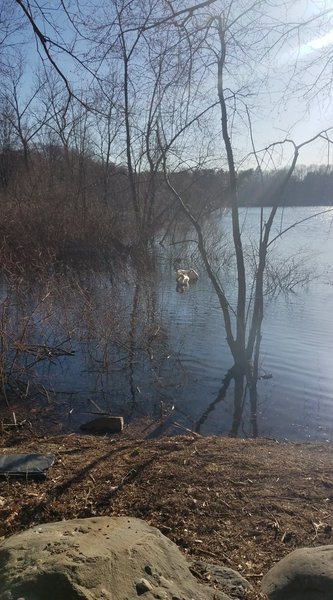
[316, 44]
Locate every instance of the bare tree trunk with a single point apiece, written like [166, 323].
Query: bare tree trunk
[240, 354]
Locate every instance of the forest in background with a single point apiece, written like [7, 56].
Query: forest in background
[102, 108]
[70, 206]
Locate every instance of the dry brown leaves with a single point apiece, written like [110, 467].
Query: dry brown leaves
[244, 503]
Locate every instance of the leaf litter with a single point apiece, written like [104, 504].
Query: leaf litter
[238, 502]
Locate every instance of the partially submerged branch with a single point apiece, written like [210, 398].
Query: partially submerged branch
[204, 255]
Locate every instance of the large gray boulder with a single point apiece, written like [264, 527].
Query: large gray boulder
[305, 574]
[102, 558]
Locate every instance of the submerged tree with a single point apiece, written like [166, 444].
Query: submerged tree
[238, 31]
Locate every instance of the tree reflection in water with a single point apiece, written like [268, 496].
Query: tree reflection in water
[240, 393]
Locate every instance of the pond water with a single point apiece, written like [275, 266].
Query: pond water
[143, 350]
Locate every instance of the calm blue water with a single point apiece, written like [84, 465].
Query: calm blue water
[182, 372]
[297, 346]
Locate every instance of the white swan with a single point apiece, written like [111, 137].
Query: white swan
[182, 279]
[190, 274]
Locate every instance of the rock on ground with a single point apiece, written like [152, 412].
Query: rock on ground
[102, 558]
[305, 574]
[104, 424]
[226, 579]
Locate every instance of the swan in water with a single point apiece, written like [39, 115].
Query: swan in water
[186, 275]
[182, 279]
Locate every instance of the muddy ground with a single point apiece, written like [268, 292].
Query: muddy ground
[243, 503]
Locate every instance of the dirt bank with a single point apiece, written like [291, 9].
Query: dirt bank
[245, 503]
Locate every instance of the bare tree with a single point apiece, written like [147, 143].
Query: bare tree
[144, 48]
[24, 112]
[242, 321]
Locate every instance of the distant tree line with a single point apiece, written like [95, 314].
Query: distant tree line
[65, 203]
[308, 186]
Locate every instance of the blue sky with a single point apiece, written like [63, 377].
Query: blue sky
[295, 100]
[305, 107]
